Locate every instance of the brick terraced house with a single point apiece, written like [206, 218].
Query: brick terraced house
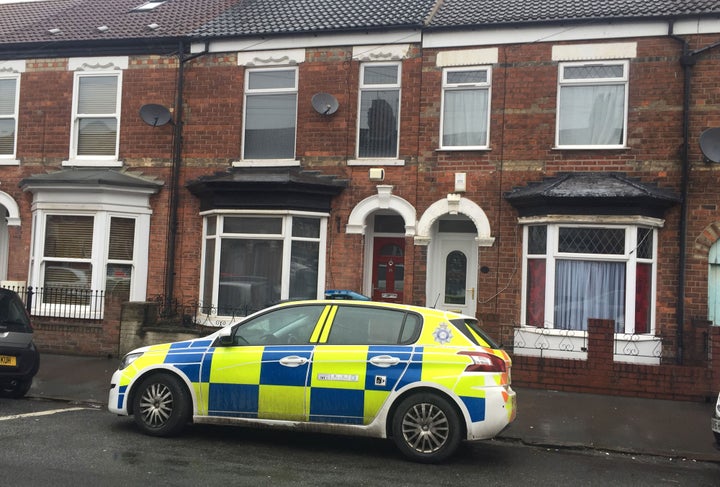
[547, 166]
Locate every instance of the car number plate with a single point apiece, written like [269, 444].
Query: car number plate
[715, 423]
[8, 361]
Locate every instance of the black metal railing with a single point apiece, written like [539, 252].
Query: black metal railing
[197, 314]
[67, 303]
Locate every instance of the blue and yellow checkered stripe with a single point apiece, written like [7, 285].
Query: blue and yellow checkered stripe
[344, 385]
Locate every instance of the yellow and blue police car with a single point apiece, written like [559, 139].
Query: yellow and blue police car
[426, 378]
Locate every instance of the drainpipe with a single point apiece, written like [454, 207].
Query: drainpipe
[174, 181]
[175, 178]
[687, 61]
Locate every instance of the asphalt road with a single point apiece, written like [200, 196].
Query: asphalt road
[64, 444]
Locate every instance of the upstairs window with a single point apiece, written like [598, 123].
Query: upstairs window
[379, 113]
[9, 87]
[96, 116]
[592, 105]
[465, 108]
[270, 113]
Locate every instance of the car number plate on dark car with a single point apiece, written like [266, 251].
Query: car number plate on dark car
[8, 361]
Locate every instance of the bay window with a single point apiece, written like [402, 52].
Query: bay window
[574, 273]
[252, 260]
[82, 254]
[592, 105]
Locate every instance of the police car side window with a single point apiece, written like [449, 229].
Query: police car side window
[360, 325]
[284, 326]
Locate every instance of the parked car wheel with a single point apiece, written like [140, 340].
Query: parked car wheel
[426, 428]
[161, 405]
[16, 389]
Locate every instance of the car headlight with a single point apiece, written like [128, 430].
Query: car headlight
[128, 359]
[717, 407]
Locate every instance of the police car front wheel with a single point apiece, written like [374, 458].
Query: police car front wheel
[426, 428]
[161, 405]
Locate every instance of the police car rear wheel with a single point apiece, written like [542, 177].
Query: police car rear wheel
[426, 428]
[161, 405]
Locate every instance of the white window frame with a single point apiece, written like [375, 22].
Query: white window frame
[11, 159]
[617, 81]
[105, 66]
[248, 92]
[479, 86]
[364, 88]
[629, 258]
[286, 236]
[99, 259]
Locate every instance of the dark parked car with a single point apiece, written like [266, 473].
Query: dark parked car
[19, 359]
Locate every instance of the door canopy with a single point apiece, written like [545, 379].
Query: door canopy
[591, 193]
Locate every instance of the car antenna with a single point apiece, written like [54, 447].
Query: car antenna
[436, 300]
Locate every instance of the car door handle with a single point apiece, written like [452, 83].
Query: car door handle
[293, 361]
[384, 361]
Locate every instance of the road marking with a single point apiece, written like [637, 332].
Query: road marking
[40, 413]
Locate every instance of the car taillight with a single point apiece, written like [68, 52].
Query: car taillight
[484, 362]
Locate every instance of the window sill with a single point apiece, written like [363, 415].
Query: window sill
[463, 149]
[376, 162]
[266, 163]
[92, 163]
[590, 147]
[9, 162]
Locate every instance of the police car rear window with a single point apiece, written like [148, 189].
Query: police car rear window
[472, 330]
[364, 325]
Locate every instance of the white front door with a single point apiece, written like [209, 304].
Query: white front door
[454, 287]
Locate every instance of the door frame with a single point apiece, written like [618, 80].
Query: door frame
[399, 295]
[441, 245]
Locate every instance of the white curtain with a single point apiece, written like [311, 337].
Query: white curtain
[587, 289]
[465, 118]
[592, 115]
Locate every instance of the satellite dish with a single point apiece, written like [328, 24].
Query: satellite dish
[155, 115]
[710, 144]
[325, 103]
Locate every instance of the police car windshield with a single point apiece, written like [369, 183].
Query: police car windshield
[471, 329]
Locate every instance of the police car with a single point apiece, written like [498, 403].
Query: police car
[426, 378]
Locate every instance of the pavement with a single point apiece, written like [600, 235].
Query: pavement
[551, 419]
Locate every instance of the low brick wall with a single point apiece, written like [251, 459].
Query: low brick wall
[90, 338]
[600, 374]
[139, 327]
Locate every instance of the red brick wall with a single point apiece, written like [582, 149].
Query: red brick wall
[600, 374]
[524, 89]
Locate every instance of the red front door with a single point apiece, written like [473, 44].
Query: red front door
[388, 269]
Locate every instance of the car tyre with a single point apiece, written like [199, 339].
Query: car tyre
[161, 405]
[426, 428]
[17, 390]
